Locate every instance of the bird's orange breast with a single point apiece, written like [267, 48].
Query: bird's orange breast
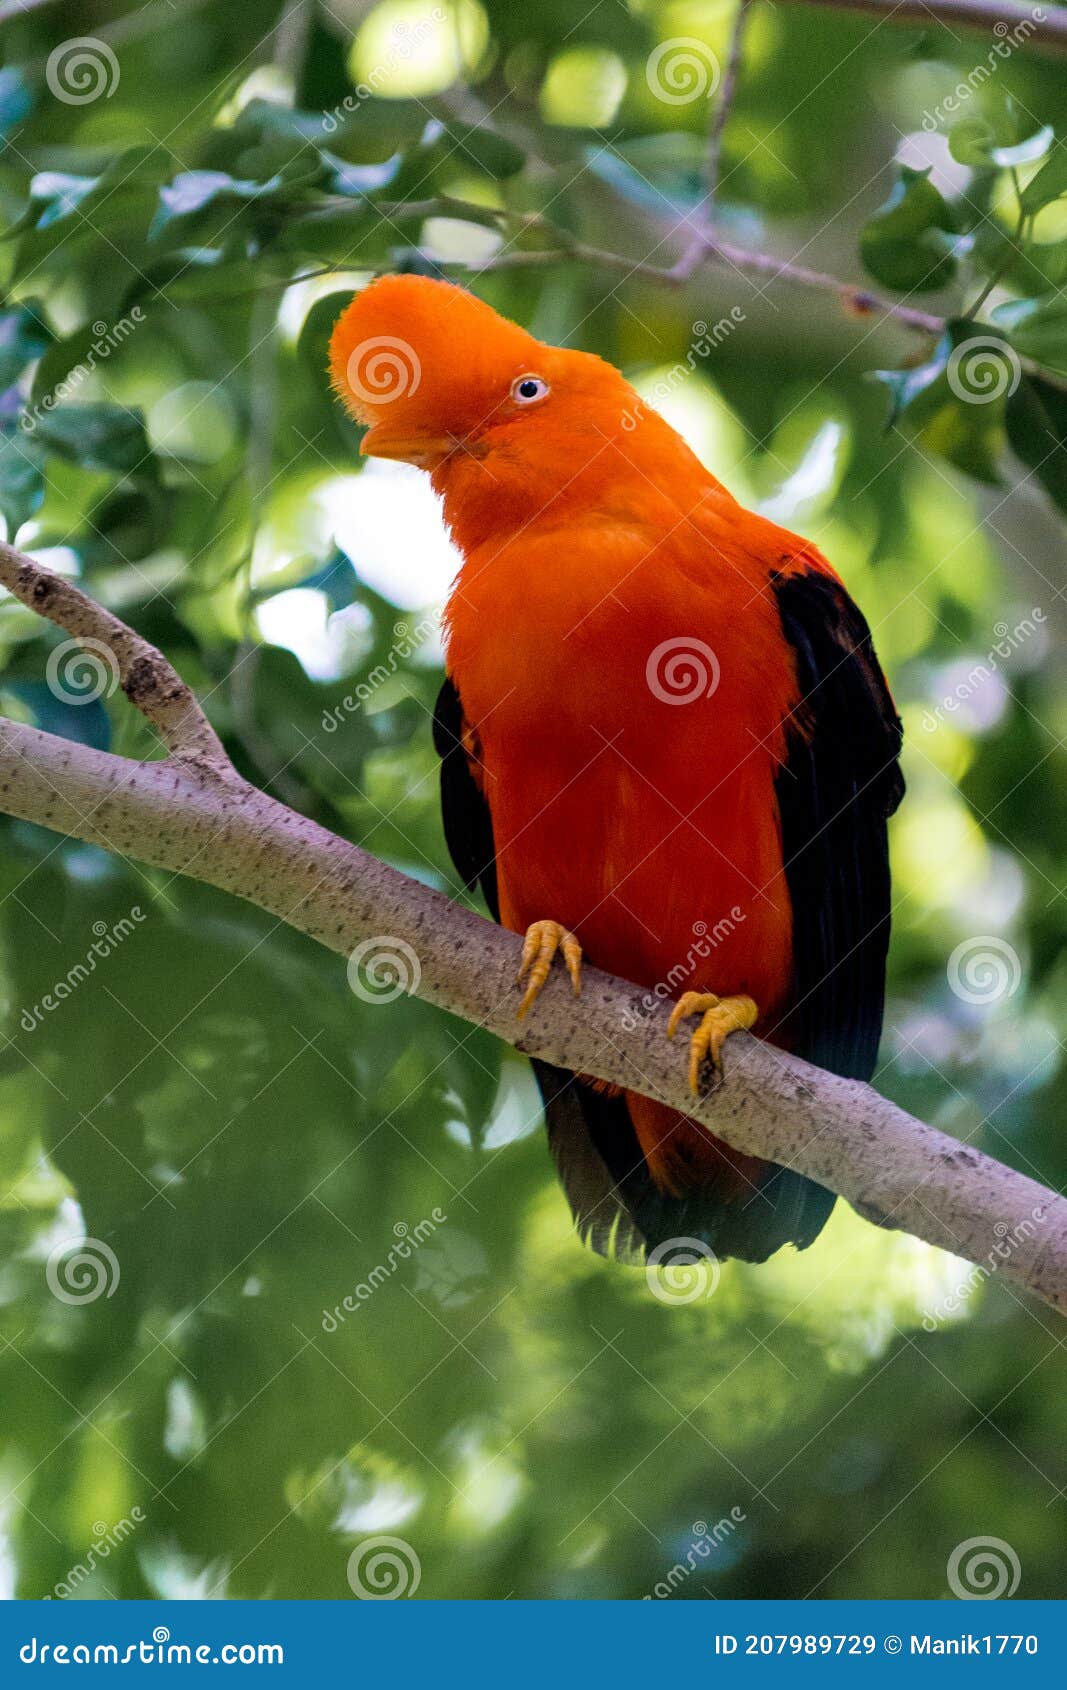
[628, 686]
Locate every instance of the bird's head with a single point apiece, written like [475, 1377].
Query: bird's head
[501, 419]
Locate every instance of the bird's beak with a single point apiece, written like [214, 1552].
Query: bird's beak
[426, 451]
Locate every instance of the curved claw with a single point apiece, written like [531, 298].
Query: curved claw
[543, 940]
[720, 1018]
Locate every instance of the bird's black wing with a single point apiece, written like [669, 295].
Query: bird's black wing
[464, 810]
[836, 790]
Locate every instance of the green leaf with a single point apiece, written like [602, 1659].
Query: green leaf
[24, 337]
[193, 190]
[953, 405]
[21, 476]
[483, 148]
[905, 386]
[1037, 430]
[58, 194]
[909, 243]
[16, 100]
[64, 208]
[98, 436]
[1049, 183]
[358, 180]
[1038, 329]
[972, 142]
[1025, 152]
[651, 183]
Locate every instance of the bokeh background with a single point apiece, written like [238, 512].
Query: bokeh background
[249, 1138]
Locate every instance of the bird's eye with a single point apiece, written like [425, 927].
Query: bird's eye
[527, 390]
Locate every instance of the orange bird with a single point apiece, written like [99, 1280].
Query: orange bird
[666, 744]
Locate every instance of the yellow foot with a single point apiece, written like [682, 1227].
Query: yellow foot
[543, 940]
[721, 1017]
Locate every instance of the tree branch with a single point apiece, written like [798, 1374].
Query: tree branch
[1042, 26]
[149, 681]
[192, 814]
[705, 247]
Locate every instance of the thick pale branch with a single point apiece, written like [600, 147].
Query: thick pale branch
[192, 816]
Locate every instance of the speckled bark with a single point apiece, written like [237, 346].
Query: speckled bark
[192, 814]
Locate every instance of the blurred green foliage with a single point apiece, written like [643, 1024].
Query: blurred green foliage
[251, 1140]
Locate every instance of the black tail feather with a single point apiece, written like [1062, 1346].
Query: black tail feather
[619, 1210]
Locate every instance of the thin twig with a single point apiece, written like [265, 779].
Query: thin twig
[701, 240]
[1036, 26]
[149, 680]
[713, 157]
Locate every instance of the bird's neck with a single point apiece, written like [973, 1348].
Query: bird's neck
[640, 473]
